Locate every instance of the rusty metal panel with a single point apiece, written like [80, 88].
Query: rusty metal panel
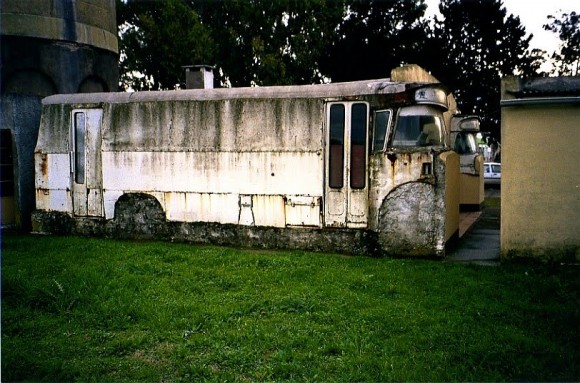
[335, 208]
[220, 125]
[85, 141]
[53, 133]
[201, 207]
[246, 213]
[268, 210]
[53, 200]
[303, 211]
[52, 170]
[110, 197]
[393, 169]
[215, 172]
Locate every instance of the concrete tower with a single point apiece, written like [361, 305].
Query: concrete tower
[48, 47]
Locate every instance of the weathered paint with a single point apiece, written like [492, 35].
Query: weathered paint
[240, 172]
[448, 163]
[463, 129]
[303, 211]
[238, 166]
[52, 190]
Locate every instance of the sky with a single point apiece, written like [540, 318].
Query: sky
[533, 15]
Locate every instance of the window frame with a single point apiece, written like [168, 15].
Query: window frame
[419, 111]
[388, 128]
[79, 156]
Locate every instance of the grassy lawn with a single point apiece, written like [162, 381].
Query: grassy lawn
[78, 309]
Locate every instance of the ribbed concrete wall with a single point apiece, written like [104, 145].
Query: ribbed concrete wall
[50, 47]
[90, 22]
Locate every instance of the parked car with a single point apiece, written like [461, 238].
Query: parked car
[492, 173]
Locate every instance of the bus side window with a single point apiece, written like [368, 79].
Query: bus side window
[79, 147]
[336, 155]
[358, 146]
[382, 119]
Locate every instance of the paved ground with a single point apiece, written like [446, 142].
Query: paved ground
[478, 236]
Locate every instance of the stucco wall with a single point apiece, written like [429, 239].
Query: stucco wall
[540, 192]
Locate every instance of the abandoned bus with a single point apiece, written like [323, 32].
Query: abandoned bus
[362, 167]
[463, 138]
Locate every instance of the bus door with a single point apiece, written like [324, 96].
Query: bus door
[346, 180]
[86, 170]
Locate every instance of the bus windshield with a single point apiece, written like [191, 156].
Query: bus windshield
[465, 143]
[418, 129]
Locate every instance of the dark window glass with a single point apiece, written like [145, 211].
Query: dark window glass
[80, 129]
[358, 146]
[465, 143]
[6, 164]
[381, 123]
[417, 130]
[336, 150]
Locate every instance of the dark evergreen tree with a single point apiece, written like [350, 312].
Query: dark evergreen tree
[266, 42]
[374, 37]
[567, 59]
[480, 43]
[253, 42]
[157, 39]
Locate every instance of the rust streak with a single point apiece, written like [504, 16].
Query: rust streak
[44, 165]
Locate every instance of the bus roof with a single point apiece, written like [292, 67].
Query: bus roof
[354, 88]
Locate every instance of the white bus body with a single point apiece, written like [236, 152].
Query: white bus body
[360, 167]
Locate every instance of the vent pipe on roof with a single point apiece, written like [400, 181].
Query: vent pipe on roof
[198, 77]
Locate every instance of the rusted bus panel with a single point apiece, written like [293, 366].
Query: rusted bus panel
[268, 210]
[472, 191]
[410, 221]
[268, 173]
[201, 207]
[450, 166]
[414, 201]
[303, 211]
[53, 199]
[389, 170]
[222, 125]
[110, 197]
[53, 134]
[253, 210]
[52, 171]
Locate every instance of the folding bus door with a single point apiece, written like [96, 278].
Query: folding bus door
[346, 181]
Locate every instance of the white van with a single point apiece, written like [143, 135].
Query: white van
[492, 173]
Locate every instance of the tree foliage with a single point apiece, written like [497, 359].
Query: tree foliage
[567, 59]
[252, 42]
[157, 39]
[266, 42]
[478, 43]
[263, 42]
[374, 37]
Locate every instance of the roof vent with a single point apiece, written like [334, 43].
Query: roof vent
[198, 76]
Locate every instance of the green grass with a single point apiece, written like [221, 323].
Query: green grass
[93, 310]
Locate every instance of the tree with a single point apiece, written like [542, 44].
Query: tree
[374, 37]
[157, 39]
[567, 60]
[252, 42]
[479, 43]
[264, 42]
